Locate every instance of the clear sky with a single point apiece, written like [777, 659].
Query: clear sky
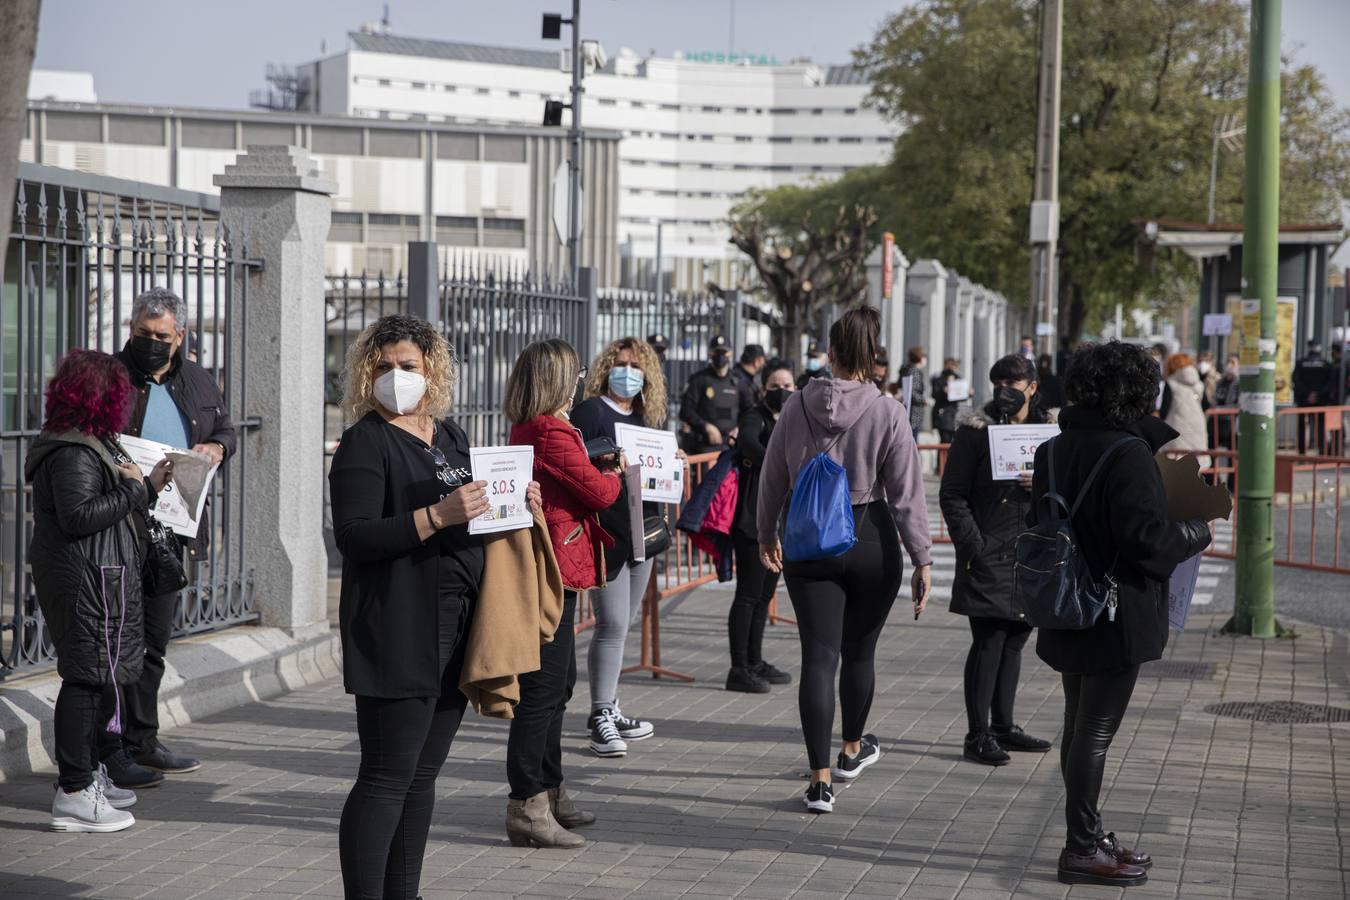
[192, 53]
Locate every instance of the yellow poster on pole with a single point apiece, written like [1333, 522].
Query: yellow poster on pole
[1286, 311]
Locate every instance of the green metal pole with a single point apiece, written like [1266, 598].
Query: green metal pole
[1254, 609]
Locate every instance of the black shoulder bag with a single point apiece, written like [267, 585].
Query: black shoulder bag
[1050, 575]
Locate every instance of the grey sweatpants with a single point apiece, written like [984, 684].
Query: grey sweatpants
[615, 606]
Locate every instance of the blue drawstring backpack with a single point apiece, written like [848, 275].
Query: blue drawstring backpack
[820, 516]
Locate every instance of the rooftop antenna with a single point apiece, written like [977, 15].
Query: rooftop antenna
[384, 21]
[731, 42]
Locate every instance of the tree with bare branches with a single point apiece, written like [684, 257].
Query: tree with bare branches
[806, 261]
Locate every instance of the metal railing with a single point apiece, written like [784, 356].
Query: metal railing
[1319, 430]
[82, 248]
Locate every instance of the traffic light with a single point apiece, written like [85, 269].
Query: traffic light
[553, 23]
[553, 112]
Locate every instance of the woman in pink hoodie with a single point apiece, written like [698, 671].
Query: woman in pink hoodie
[842, 602]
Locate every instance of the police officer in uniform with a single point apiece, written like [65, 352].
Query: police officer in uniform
[746, 372]
[815, 364]
[713, 402]
[1314, 385]
[659, 343]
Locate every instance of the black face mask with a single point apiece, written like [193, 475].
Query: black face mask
[148, 354]
[720, 362]
[775, 399]
[1008, 401]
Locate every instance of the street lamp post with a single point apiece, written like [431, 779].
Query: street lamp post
[553, 23]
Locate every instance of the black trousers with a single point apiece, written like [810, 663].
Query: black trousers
[993, 668]
[750, 607]
[140, 700]
[76, 726]
[1093, 708]
[383, 833]
[534, 745]
[841, 604]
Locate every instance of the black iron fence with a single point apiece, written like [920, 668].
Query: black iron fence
[82, 248]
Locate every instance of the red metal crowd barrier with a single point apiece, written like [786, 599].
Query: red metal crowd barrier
[1311, 492]
[1321, 430]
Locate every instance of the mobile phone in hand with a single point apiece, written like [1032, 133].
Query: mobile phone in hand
[918, 599]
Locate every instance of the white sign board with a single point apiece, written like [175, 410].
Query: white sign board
[656, 454]
[508, 472]
[1217, 324]
[1044, 329]
[181, 503]
[958, 389]
[1012, 448]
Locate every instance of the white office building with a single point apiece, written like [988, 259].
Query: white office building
[696, 134]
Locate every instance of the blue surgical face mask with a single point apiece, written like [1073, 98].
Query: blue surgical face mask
[813, 364]
[626, 381]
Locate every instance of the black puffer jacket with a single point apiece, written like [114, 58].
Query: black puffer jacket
[86, 556]
[1123, 520]
[984, 517]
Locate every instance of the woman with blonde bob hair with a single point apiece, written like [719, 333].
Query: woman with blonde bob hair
[538, 399]
[402, 497]
[626, 387]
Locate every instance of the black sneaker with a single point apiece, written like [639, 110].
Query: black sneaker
[820, 797]
[982, 748]
[632, 729]
[125, 773]
[162, 759]
[850, 767]
[746, 681]
[771, 674]
[605, 738]
[1017, 739]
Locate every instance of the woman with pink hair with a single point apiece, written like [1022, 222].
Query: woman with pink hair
[89, 534]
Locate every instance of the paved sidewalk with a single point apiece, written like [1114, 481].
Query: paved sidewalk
[711, 806]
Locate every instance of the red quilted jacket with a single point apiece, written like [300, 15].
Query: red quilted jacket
[574, 490]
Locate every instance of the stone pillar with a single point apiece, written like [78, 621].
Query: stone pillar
[982, 344]
[926, 281]
[275, 202]
[965, 331]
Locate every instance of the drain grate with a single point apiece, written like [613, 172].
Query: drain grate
[1284, 712]
[1176, 668]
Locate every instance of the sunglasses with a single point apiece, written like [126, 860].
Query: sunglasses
[445, 472]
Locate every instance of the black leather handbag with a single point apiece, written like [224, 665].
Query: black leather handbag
[655, 536]
[163, 571]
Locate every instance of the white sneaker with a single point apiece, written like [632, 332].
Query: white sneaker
[118, 798]
[87, 811]
[605, 739]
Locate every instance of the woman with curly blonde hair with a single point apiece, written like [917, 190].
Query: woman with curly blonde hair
[402, 497]
[626, 386]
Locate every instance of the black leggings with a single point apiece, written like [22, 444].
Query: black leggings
[841, 604]
[993, 668]
[750, 607]
[534, 743]
[1093, 708]
[404, 743]
[80, 708]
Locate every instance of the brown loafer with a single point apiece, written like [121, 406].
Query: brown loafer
[1124, 854]
[1098, 867]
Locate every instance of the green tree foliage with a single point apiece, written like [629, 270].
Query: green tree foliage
[1143, 83]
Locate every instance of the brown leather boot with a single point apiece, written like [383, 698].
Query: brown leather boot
[531, 823]
[1098, 867]
[565, 811]
[1124, 854]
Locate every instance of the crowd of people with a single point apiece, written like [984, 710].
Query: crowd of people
[429, 610]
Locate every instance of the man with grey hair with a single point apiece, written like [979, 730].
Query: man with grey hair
[180, 404]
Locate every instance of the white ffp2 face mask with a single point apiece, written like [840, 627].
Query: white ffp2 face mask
[399, 391]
